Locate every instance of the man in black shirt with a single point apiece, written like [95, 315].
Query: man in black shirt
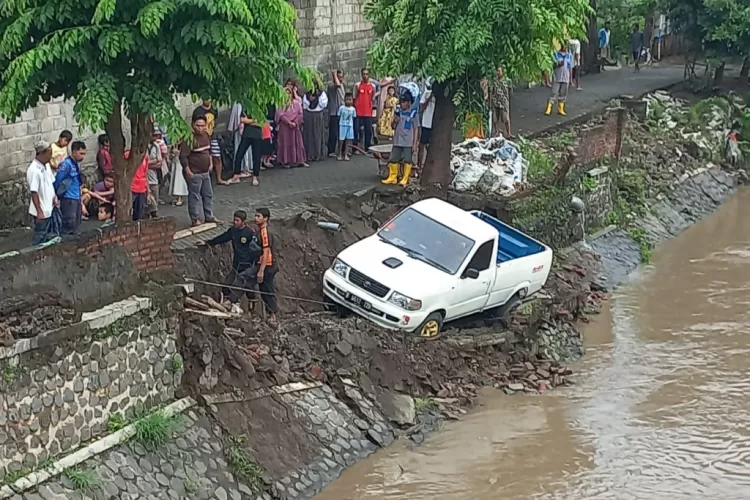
[246, 249]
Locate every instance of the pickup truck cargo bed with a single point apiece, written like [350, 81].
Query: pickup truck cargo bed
[512, 243]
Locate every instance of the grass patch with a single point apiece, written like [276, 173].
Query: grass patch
[638, 234]
[156, 429]
[11, 373]
[421, 404]
[541, 164]
[116, 422]
[176, 364]
[13, 476]
[589, 184]
[83, 479]
[562, 140]
[243, 465]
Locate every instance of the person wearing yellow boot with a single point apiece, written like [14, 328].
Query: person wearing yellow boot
[405, 127]
[560, 81]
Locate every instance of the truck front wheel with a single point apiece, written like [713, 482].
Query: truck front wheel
[430, 327]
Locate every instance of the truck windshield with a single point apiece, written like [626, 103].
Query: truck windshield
[426, 239]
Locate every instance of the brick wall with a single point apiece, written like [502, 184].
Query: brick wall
[147, 243]
[602, 141]
[94, 269]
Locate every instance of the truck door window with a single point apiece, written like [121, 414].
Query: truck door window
[482, 260]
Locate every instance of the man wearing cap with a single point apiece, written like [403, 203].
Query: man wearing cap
[43, 199]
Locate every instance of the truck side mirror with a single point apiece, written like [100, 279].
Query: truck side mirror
[471, 273]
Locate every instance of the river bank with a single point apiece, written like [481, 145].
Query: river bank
[281, 412]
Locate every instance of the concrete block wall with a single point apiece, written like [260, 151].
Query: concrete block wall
[59, 393]
[44, 122]
[334, 35]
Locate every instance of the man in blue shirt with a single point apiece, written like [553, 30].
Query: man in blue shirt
[561, 81]
[68, 187]
[604, 44]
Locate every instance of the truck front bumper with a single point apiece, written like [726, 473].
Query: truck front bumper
[373, 308]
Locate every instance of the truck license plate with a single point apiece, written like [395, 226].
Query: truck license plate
[357, 301]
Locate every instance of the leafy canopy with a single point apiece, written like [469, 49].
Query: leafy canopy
[721, 26]
[457, 40]
[142, 53]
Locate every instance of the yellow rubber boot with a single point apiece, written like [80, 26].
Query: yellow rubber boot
[392, 174]
[548, 111]
[561, 108]
[407, 174]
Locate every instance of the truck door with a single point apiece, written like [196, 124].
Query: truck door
[471, 294]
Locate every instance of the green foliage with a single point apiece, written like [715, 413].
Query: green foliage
[142, 53]
[13, 476]
[156, 429]
[541, 164]
[116, 422]
[11, 373]
[721, 27]
[546, 214]
[243, 466]
[176, 363]
[421, 404]
[561, 140]
[132, 58]
[83, 479]
[622, 15]
[701, 112]
[452, 40]
[589, 184]
[638, 234]
[630, 193]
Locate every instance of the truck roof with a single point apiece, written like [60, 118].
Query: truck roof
[457, 219]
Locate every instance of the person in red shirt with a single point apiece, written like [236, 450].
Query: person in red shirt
[139, 189]
[364, 92]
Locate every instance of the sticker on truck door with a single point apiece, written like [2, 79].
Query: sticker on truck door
[537, 269]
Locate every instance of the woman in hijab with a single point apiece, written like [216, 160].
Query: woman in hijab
[291, 147]
[314, 104]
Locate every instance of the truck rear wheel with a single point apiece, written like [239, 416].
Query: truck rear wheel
[505, 312]
[430, 327]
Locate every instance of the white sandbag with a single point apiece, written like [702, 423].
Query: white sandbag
[468, 176]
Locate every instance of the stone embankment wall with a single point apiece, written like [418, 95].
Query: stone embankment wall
[59, 389]
[94, 269]
[698, 194]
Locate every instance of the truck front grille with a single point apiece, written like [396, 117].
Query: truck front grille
[369, 285]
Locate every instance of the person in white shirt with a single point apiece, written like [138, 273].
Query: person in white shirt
[43, 199]
[575, 51]
[427, 110]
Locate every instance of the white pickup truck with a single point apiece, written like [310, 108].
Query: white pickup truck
[433, 263]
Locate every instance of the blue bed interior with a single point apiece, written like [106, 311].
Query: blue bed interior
[513, 243]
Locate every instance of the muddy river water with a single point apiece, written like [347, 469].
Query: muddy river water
[660, 409]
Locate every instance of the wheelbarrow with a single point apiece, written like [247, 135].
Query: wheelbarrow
[381, 153]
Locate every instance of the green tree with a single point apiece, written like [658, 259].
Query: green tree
[720, 28]
[460, 42]
[127, 60]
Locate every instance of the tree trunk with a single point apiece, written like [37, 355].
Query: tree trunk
[745, 71]
[437, 169]
[719, 74]
[590, 49]
[141, 129]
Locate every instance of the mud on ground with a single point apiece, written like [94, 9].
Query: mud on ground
[309, 343]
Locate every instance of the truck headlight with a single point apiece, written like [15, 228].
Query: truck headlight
[405, 302]
[340, 268]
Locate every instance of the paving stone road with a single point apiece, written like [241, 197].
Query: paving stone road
[282, 188]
